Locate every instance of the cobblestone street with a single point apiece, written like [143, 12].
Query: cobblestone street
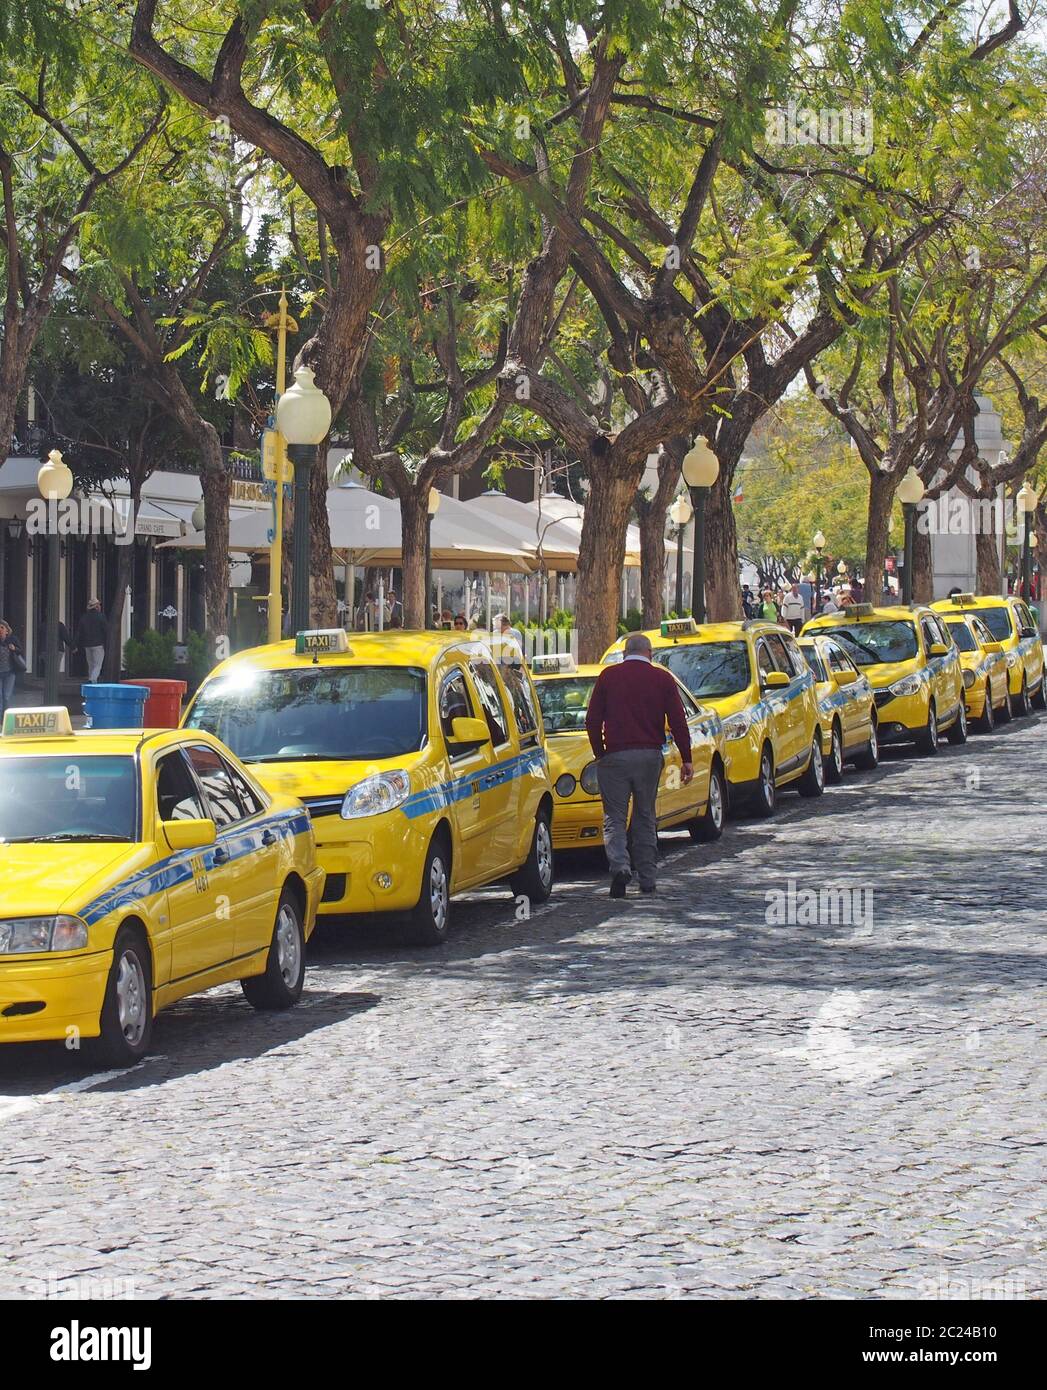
[678, 1096]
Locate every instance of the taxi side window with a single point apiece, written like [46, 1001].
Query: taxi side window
[764, 659]
[454, 701]
[929, 635]
[518, 686]
[690, 704]
[177, 795]
[217, 782]
[1024, 616]
[249, 799]
[838, 661]
[796, 666]
[981, 631]
[778, 655]
[490, 701]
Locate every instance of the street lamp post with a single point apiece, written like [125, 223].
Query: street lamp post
[680, 514]
[303, 417]
[55, 483]
[432, 506]
[819, 546]
[700, 470]
[910, 495]
[1026, 501]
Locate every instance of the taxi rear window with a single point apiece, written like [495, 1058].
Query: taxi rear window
[709, 670]
[998, 621]
[75, 798]
[564, 703]
[319, 714]
[869, 644]
[963, 637]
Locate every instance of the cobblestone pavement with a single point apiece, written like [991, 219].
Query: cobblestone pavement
[681, 1096]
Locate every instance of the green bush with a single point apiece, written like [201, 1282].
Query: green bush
[633, 620]
[200, 662]
[151, 656]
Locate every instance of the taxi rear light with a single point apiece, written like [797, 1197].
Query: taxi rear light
[32, 935]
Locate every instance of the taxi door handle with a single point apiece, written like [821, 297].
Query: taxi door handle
[221, 855]
[268, 837]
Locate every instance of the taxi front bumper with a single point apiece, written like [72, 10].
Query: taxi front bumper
[901, 717]
[43, 999]
[578, 824]
[382, 873]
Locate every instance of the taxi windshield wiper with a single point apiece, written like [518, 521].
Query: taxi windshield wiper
[295, 758]
[71, 836]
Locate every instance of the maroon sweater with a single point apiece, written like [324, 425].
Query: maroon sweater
[629, 706]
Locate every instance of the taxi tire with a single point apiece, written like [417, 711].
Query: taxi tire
[1039, 699]
[927, 738]
[270, 991]
[812, 783]
[424, 927]
[869, 758]
[528, 882]
[958, 728]
[112, 1046]
[834, 764]
[987, 719]
[709, 826]
[1024, 706]
[765, 797]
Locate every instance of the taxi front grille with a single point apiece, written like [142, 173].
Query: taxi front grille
[323, 805]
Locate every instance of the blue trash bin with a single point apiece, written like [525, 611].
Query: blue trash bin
[115, 706]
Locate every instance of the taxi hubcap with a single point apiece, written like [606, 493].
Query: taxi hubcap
[715, 801]
[837, 751]
[766, 777]
[544, 848]
[438, 893]
[288, 946]
[131, 997]
[816, 763]
[874, 741]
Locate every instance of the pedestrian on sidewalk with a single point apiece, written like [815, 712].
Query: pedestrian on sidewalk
[92, 637]
[628, 710]
[12, 663]
[794, 610]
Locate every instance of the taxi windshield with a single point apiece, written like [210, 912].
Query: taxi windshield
[869, 644]
[963, 637]
[998, 621]
[315, 714]
[564, 703]
[709, 670]
[74, 797]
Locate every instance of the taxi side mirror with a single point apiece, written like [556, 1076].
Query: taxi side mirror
[938, 649]
[845, 677]
[774, 680]
[994, 647]
[469, 731]
[1027, 632]
[189, 834]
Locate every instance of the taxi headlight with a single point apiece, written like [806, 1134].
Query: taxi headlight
[590, 780]
[376, 795]
[1013, 658]
[25, 935]
[564, 784]
[738, 725]
[908, 685]
[968, 679]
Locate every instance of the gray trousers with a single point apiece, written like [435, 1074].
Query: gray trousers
[632, 774]
[95, 660]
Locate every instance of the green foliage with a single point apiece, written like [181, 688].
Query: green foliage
[151, 656]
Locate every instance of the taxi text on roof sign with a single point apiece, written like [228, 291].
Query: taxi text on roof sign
[678, 627]
[553, 661]
[322, 642]
[963, 598]
[44, 723]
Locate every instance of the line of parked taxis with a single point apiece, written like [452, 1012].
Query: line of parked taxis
[344, 774]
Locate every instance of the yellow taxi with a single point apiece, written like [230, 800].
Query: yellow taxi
[564, 689]
[419, 755]
[754, 676]
[846, 707]
[1010, 622]
[912, 665]
[983, 661]
[139, 867]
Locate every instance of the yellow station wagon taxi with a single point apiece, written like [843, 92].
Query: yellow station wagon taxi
[846, 708]
[983, 661]
[755, 677]
[564, 689]
[912, 665]
[1010, 622]
[139, 867]
[419, 755]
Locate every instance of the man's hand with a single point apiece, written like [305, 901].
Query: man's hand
[686, 773]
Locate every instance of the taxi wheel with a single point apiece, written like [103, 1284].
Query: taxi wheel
[1022, 705]
[834, 766]
[869, 758]
[958, 729]
[812, 783]
[710, 825]
[764, 796]
[534, 878]
[927, 738]
[1039, 700]
[987, 721]
[431, 915]
[280, 987]
[127, 1011]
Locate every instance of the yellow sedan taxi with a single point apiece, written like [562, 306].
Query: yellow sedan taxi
[846, 708]
[140, 867]
[912, 665]
[564, 689]
[419, 755]
[983, 661]
[1011, 622]
[756, 679]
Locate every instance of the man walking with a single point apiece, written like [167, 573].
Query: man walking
[626, 719]
[92, 636]
[794, 610]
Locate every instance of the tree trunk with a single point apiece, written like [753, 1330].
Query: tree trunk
[723, 593]
[990, 580]
[601, 556]
[125, 557]
[414, 516]
[882, 486]
[922, 565]
[652, 564]
[323, 600]
[214, 482]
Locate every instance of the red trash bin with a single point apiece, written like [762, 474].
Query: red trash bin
[163, 709]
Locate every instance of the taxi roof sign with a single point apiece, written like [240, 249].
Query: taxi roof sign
[553, 661]
[963, 598]
[678, 627]
[45, 722]
[319, 642]
[862, 610]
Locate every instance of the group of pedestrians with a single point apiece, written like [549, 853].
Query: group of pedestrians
[92, 638]
[794, 606]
